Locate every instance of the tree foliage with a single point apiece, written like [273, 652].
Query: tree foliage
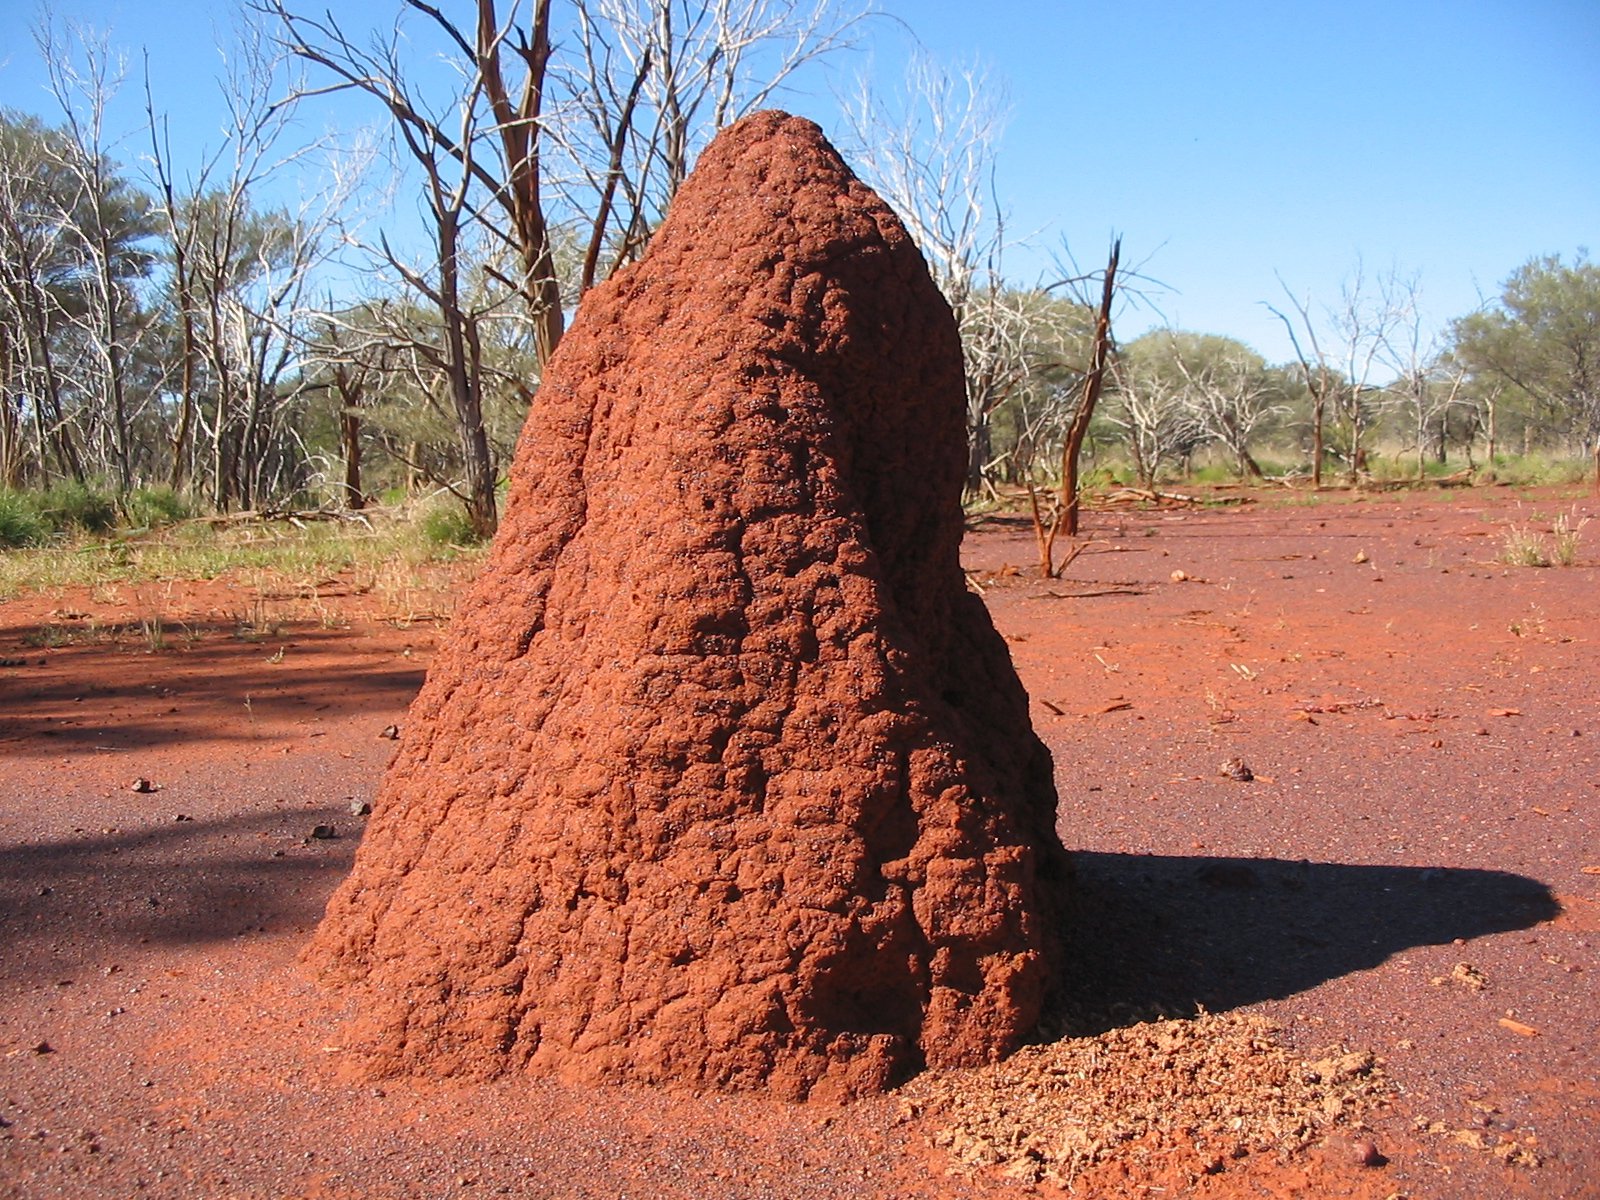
[1541, 342]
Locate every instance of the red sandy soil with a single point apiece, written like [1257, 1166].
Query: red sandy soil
[1413, 870]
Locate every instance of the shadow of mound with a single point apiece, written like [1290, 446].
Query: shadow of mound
[1170, 935]
[70, 902]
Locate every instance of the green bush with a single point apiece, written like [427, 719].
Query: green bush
[1213, 473]
[445, 523]
[152, 507]
[1539, 470]
[71, 505]
[20, 522]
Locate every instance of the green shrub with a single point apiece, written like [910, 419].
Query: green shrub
[1213, 473]
[445, 523]
[71, 505]
[1539, 470]
[152, 507]
[20, 522]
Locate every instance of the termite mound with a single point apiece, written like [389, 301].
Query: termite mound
[722, 778]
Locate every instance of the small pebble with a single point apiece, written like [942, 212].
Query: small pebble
[1367, 1153]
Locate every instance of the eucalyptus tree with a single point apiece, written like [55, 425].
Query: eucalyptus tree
[1427, 380]
[1226, 391]
[1539, 344]
[1339, 349]
[237, 268]
[646, 85]
[1149, 404]
[74, 247]
[112, 228]
[38, 288]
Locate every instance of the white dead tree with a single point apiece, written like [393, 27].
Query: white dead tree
[1427, 382]
[1339, 350]
[647, 83]
[929, 148]
[241, 276]
[113, 226]
[1227, 393]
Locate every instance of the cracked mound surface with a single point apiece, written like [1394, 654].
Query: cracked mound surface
[723, 778]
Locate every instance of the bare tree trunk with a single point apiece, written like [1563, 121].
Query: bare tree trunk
[518, 128]
[1099, 357]
[350, 443]
[178, 475]
[462, 356]
[1318, 410]
[10, 410]
[115, 381]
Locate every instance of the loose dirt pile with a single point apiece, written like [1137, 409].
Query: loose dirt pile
[1188, 1097]
[723, 778]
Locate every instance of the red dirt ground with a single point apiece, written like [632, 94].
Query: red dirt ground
[1414, 870]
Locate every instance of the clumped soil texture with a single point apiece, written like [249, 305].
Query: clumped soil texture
[1188, 1097]
[723, 777]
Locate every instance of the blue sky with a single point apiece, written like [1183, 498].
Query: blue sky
[1229, 142]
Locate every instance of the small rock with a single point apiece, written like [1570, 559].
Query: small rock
[1236, 768]
[323, 833]
[1367, 1153]
[143, 785]
[43, 1048]
[1180, 576]
[390, 732]
[1361, 557]
[183, 817]
[359, 808]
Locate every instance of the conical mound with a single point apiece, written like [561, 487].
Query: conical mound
[722, 778]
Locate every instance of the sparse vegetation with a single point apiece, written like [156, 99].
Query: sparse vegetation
[373, 550]
[1564, 539]
[1525, 546]
[20, 522]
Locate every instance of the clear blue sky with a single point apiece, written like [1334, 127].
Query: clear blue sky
[1228, 142]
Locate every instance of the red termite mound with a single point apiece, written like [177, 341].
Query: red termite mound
[723, 778]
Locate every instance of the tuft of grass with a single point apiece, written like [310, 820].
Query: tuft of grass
[1564, 539]
[1524, 546]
